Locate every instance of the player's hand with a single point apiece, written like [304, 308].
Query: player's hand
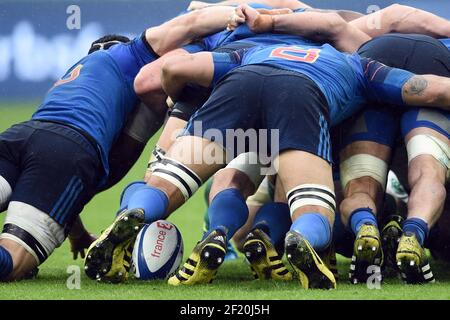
[236, 19]
[195, 5]
[258, 23]
[78, 245]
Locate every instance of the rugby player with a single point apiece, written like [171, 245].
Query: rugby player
[52, 165]
[366, 159]
[349, 50]
[177, 178]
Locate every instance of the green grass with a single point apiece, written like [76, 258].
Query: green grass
[234, 280]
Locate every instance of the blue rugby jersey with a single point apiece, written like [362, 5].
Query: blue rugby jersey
[97, 94]
[346, 80]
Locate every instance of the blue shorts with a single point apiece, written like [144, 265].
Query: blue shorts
[51, 167]
[419, 54]
[374, 124]
[265, 97]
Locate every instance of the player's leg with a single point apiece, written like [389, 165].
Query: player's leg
[228, 210]
[47, 197]
[9, 173]
[427, 140]
[304, 169]
[439, 238]
[264, 244]
[363, 170]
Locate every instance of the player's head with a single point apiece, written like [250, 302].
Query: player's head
[107, 42]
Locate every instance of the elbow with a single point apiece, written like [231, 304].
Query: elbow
[146, 82]
[171, 74]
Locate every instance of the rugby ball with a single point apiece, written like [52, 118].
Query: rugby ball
[158, 251]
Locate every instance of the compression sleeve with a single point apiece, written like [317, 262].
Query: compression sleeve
[384, 84]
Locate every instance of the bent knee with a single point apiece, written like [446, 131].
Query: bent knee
[231, 178]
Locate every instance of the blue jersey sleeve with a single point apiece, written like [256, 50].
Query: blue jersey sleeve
[132, 56]
[384, 84]
[224, 62]
[195, 47]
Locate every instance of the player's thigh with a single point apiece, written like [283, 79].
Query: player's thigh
[61, 170]
[366, 151]
[426, 134]
[12, 144]
[204, 147]
[301, 121]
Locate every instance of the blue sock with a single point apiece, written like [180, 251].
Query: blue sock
[417, 226]
[6, 263]
[274, 219]
[128, 192]
[315, 228]
[227, 212]
[361, 216]
[153, 201]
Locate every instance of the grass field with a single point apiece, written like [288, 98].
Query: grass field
[234, 280]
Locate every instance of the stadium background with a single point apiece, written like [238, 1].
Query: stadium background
[36, 48]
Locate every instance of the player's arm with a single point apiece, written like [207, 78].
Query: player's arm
[318, 26]
[427, 90]
[184, 29]
[291, 4]
[203, 69]
[403, 19]
[400, 87]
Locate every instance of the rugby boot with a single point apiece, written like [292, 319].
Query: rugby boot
[204, 261]
[390, 237]
[367, 252]
[412, 260]
[308, 266]
[264, 259]
[108, 259]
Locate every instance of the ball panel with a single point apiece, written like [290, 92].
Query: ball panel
[158, 251]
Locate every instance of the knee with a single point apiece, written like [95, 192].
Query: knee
[424, 169]
[5, 193]
[146, 83]
[231, 178]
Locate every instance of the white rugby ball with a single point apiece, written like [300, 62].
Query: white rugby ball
[158, 251]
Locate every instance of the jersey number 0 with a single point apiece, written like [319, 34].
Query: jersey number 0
[296, 54]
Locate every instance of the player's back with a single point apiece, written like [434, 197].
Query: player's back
[96, 95]
[338, 75]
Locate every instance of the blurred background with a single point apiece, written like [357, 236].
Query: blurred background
[40, 39]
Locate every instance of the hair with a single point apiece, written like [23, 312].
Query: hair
[107, 42]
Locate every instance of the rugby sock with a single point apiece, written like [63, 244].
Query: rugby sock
[227, 212]
[315, 228]
[128, 192]
[153, 201]
[6, 263]
[274, 219]
[417, 226]
[362, 216]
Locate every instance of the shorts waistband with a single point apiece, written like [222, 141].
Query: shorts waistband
[92, 142]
